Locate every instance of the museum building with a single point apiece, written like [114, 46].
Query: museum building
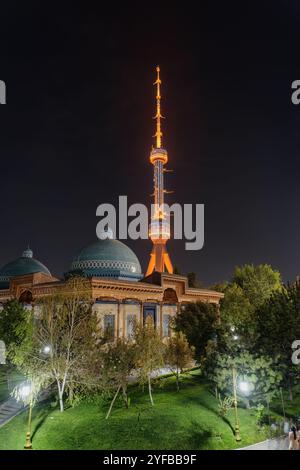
[119, 292]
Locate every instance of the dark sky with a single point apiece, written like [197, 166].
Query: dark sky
[77, 127]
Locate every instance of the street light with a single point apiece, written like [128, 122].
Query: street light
[25, 391]
[47, 349]
[26, 395]
[237, 422]
[244, 387]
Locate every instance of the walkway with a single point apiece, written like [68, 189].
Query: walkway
[278, 443]
[9, 409]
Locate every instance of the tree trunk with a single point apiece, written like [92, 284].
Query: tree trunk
[112, 402]
[125, 396]
[290, 390]
[282, 403]
[150, 391]
[61, 403]
[247, 403]
[60, 395]
[177, 379]
[269, 417]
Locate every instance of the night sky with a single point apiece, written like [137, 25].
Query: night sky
[77, 128]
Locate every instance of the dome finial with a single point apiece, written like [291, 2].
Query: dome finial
[27, 253]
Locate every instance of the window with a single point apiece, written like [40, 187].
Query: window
[26, 297]
[109, 326]
[130, 320]
[166, 325]
[149, 314]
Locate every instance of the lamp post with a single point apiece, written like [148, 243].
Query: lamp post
[237, 422]
[28, 443]
[245, 388]
[26, 394]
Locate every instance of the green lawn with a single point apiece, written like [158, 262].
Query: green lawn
[185, 420]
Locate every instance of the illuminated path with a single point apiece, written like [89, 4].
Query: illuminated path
[9, 409]
[278, 443]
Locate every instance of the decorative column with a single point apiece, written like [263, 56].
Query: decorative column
[161, 318]
[118, 320]
[142, 312]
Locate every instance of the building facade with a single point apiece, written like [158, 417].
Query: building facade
[119, 292]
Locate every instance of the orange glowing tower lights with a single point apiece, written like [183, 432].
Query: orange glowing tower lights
[159, 230]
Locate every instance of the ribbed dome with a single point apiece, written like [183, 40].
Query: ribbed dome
[26, 264]
[108, 258]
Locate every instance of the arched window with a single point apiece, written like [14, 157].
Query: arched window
[170, 296]
[26, 297]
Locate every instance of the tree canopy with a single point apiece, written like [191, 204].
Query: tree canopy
[257, 282]
[258, 372]
[197, 321]
[279, 327]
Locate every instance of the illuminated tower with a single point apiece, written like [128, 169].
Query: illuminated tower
[159, 230]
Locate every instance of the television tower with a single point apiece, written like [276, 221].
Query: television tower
[159, 229]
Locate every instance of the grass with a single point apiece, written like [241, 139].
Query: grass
[187, 419]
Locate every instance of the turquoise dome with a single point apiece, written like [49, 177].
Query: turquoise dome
[107, 258]
[26, 264]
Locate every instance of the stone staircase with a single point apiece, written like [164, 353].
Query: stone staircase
[9, 409]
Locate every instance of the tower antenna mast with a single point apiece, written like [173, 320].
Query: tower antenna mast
[158, 115]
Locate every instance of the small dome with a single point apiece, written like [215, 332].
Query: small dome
[26, 264]
[108, 258]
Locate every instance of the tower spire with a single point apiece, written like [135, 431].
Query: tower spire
[159, 229]
[158, 116]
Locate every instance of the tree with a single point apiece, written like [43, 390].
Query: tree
[239, 317]
[55, 340]
[149, 352]
[219, 286]
[279, 326]
[251, 287]
[176, 270]
[179, 354]
[193, 280]
[198, 323]
[118, 363]
[235, 306]
[73, 273]
[257, 282]
[16, 324]
[260, 372]
[66, 336]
